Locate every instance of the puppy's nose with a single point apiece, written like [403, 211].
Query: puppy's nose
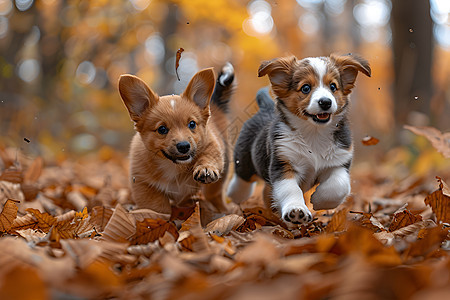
[183, 147]
[324, 103]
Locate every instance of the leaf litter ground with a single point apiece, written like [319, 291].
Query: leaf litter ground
[69, 231]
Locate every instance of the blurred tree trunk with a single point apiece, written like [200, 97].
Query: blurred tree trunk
[412, 52]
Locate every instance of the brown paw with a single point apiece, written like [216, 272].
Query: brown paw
[206, 174]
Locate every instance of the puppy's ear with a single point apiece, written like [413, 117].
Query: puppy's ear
[349, 66]
[280, 72]
[201, 87]
[136, 96]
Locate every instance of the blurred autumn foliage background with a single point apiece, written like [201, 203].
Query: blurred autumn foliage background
[60, 61]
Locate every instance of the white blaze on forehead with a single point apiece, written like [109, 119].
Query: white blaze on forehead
[172, 103]
[319, 66]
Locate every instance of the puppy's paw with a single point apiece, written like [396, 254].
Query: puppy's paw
[206, 174]
[297, 214]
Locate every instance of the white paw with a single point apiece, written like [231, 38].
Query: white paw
[296, 214]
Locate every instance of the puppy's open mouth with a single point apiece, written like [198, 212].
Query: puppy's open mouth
[320, 118]
[178, 159]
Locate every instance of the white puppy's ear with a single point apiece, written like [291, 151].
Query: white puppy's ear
[136, 96]
[201, 87]
[349, 66]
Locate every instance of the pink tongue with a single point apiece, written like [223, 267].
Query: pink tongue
[323, 116]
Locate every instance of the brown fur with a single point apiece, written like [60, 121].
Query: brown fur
[158, 182]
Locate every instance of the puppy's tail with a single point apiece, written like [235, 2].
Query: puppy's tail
[224, 88]
[264, 100]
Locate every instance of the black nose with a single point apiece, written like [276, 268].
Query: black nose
[324, 103]
[183, 147]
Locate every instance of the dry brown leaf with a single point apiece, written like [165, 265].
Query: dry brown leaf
[31, 235]
[177, 61]
[150, 230]
[439, 140]
[77, 199]
[368, 220]
[27, 221]
[403, 218]
[34, 171]
[145, 213]
[9, 190]
[338, 221]
[83, 252]
[24, 282]
[45, 221]
[100, 216]
[430, 242]
[193, 220]
[8, 215]
[121, 226]
[30, 191]
[224, 225]
[181, 213]
[12, 175]
[440, 203]
[369, 141]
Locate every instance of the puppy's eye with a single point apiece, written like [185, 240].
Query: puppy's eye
[163, 130]
[333, 87]
[192, 125]
[306, 88]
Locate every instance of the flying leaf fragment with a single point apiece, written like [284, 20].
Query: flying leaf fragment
[369, 141]
[8, 214]
[440, 202]
[150, 230]
[439, 140]
[177, 61]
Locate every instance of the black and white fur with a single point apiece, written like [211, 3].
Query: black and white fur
[293, 146]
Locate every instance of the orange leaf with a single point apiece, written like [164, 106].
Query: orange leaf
[150, 230]
[25, 222]
[439, 140]
[181, 213]
[8, 215]
[100, 216]
[177, 61]
[34, 171]
[193, 220]
[440, 203]
[45, 221]
[402, 219]
[430, 241]
[369, 141]
[12, 175]
[338, 222]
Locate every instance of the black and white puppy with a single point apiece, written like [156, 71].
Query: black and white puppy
[302, 139]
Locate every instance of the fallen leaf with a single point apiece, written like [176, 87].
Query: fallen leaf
[403, 218]
[440, 203]
[10, 190]
[338, 221]
[24, 282]
[177, 61]
[8, 214]
[27, 221]
[12, 175]
[45, 221]
[34, 171]
[100, 216]
[121, 226]
[369, 141]
[150, 230]
[225, 224]
[439, 140]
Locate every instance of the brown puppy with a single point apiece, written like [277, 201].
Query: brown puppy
[180, 147]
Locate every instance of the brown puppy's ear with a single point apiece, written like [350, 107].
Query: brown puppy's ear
[201, 87]
[280, 72]
[136, 95]
[348, 68]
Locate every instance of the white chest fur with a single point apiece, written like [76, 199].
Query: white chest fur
[310, 149]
